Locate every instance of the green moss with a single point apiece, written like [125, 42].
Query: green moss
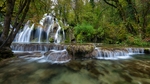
[80, 50]
[51, 40]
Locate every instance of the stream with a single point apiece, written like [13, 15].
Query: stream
[20, 70]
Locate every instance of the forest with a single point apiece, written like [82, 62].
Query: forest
[74, 41]
[97, 21]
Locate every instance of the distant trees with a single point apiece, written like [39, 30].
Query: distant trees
[2, 8]
[123, 18]
[134, 14]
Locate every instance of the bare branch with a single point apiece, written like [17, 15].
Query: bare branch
[110, 4]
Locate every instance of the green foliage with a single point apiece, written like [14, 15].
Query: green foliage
[51, 40]
[135, 40]
[2, 10]
[98, 20]
[114, 33]
[99, 32]
[84, 32]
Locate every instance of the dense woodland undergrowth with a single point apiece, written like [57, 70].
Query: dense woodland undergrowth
[99, 21]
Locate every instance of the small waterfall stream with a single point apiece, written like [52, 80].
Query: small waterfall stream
[122, 53]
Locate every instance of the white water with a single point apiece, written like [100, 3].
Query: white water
[132, 51]
[118, 54]
[58, 56]
[46, 25]
[24, 36]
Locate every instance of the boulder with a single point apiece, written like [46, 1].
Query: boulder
[80, 50]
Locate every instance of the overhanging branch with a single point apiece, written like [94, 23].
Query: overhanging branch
[110, 4]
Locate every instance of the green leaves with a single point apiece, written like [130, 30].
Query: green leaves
[84, 32]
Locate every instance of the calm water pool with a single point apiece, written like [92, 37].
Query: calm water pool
[135, 70]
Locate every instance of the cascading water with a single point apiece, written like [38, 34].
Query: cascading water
[111, 54]
[122, 53]
[36, 38]
[57, 56]
[24, 36]
[135, 50]
[48, 28]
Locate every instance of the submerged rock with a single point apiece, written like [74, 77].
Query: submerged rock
[89, 66]
[138, 68]
[74, 65]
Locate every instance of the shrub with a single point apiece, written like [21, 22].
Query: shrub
[84, 32]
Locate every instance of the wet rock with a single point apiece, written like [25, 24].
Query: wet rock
[80, 50]
[55, 27]
[28, 54]
[36, 46]
[95, 53]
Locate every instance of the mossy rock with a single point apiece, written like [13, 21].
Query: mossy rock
[51, 40]
[80, 50]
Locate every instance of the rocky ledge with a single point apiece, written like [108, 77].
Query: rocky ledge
[80, 50]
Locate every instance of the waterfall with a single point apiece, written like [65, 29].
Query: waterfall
[47, 28]
[135, 50]
[111, 54]
[24, 36]
[57, 56]
[40, 33]
[122, 53]
[57, 37]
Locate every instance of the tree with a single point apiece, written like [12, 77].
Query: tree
[126, 16]
[16, 18]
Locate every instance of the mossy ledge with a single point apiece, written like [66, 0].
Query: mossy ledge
[80, 50]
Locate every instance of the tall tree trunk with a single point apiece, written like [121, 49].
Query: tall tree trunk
[9, 34]
[7, 20]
